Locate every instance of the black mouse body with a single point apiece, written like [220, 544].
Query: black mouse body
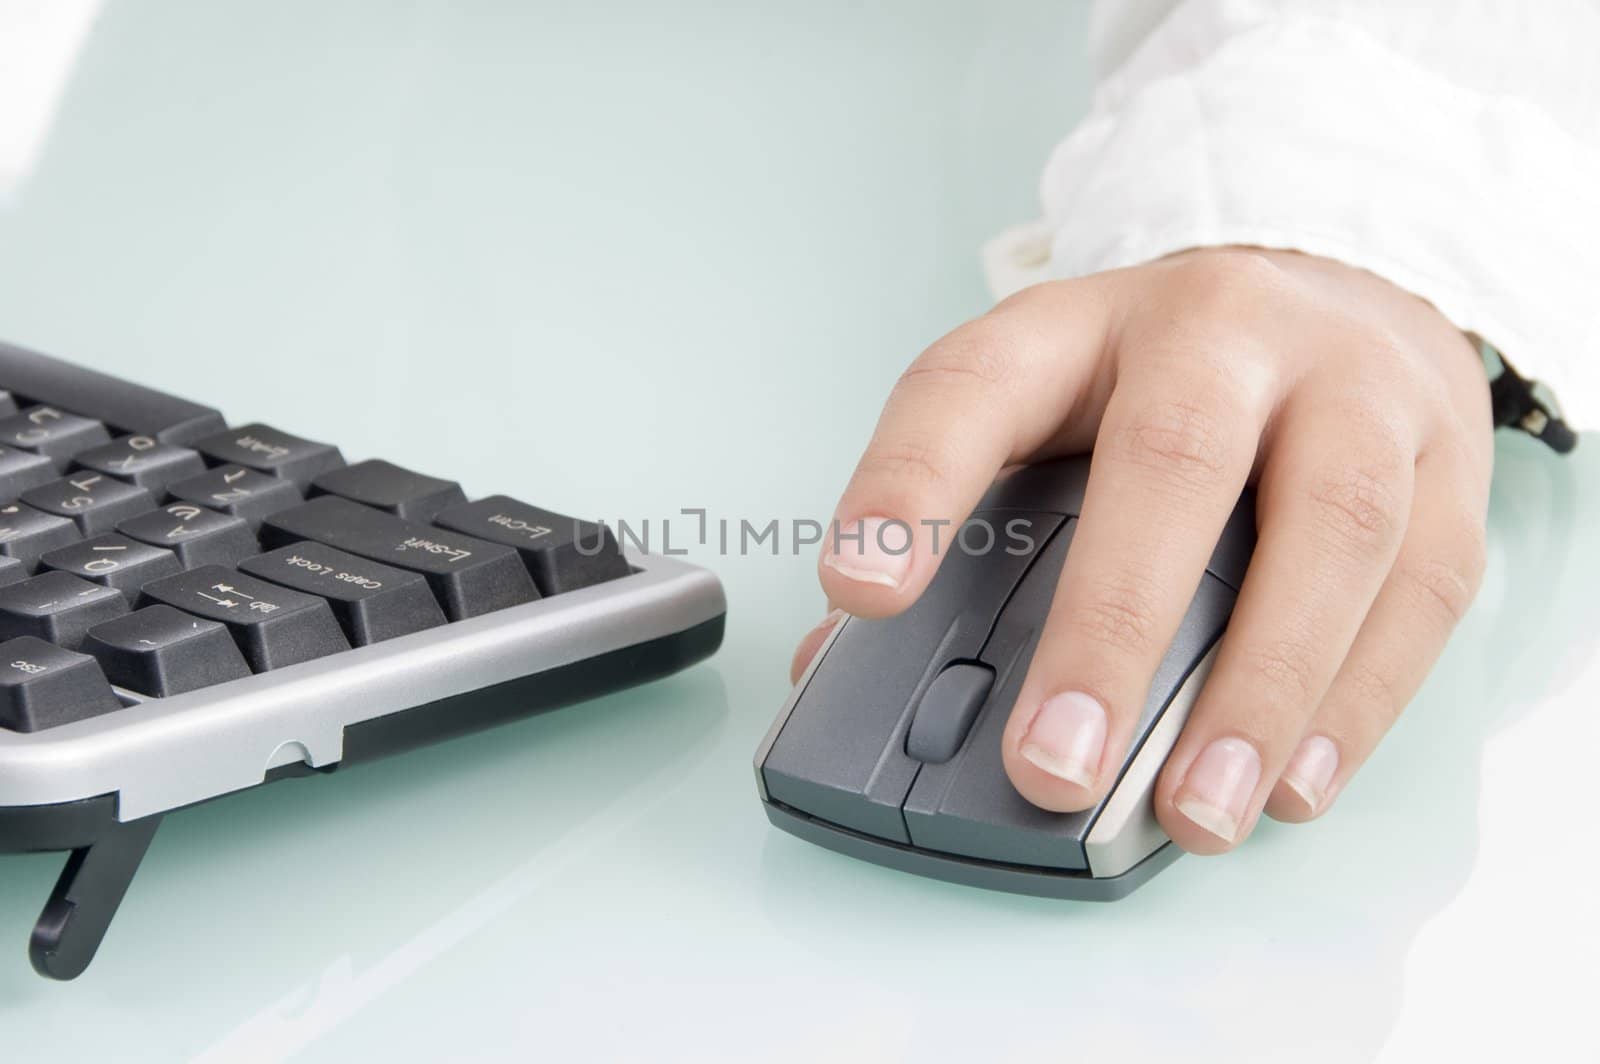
[889, 747]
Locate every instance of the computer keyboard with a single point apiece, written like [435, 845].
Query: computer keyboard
[189, 610]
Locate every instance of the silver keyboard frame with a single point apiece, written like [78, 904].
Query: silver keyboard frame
[160, 754]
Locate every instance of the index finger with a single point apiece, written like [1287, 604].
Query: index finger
[988, 395]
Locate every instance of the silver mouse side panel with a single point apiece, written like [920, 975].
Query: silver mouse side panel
[788, 707]
[1126, 831]
[160, 754]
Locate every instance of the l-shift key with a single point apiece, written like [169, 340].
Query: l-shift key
[470, 576]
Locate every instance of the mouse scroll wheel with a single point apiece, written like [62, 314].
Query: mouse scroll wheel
[947, 710]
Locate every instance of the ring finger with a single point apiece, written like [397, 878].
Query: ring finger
[1334, 495]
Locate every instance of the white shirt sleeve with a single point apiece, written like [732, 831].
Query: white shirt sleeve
[1451, 147]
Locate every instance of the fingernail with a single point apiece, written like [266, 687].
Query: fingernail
[1311, 769]
[871, 558]
[1217, 790]
[1067, 738]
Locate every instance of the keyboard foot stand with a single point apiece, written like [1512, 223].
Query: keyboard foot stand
[86, 897]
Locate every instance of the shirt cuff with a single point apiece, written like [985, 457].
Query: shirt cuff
[1307, 134]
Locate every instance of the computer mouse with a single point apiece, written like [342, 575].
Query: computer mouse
[888, 749]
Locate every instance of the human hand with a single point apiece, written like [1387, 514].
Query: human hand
[1360, 413]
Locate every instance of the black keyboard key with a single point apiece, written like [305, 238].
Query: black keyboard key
[94, 501]
[43, 686]
[143, 460]
[114, 561]
[373, 601]
[469, 576]
[11, 571]
[267, 450]
[562, 553]
[386, 486]
[57, 607]
[121, 404]
[238, 491]
[198, 536]
[52, 432]
[21, 470]
[274, 626]
[8, 403]
[159, 651]
[26, 533]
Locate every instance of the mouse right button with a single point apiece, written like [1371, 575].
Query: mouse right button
[969, 807]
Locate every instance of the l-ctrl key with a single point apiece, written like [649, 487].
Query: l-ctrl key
[563, 553]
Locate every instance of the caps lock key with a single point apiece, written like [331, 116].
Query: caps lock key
[373, 601]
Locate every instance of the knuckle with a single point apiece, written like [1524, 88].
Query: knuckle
[1375, 693]
[1118, 617]
[1227, 285]
[1284, 670]
[1041, 294]
[1393, 355]
[906, 462]
[1397, 360]
[1360, 506]
[1444, 588]
[980, 353]
[1376, 425]
[1182, 439]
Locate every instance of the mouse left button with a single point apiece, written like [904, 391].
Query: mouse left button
[840, 756]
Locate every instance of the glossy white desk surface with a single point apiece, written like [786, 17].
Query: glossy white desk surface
[622, 259]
